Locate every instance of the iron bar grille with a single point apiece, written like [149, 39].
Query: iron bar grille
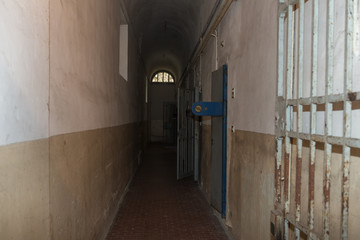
[317, 116]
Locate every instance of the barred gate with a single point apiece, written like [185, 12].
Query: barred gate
[185, 157]
[317, 118]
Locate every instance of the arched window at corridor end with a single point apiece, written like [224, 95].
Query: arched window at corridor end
[163, 77]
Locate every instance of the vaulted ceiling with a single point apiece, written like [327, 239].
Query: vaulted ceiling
[168, 30]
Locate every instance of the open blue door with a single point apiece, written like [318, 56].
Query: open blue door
[217, 109]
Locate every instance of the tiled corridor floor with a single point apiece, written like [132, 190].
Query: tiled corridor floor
[158, 206]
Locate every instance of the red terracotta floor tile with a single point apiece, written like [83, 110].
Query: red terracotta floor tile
[158, 206]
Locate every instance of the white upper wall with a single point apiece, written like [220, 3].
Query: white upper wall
[250, 49]
[73, 70]
[86, 90]
[24, 70]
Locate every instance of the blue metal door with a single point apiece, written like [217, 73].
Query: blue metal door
[217, 109]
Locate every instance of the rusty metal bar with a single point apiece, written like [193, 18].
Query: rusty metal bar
[314, 80]
[333, 98]
[289, 59]
[347, 98]
[333, 140]
[311, 188]
[281, 40]
[291, 219]
[280, 92]
[300, 62]
[289, 111]
[326, 189]
[298, 187]
[278, 170]
[347, 117]
[287, 167]
[345, 192]
[328, 115]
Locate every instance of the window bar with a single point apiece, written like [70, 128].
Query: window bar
[300, 63]
[328, 115]
[347, 116]
[313, 109]
[289, 109]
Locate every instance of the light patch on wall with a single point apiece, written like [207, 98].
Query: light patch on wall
[123, 51]
[24, 77]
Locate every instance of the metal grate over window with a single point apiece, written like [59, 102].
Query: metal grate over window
[163, 77]
[317, 118]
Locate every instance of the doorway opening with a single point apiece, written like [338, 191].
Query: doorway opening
[163, 109]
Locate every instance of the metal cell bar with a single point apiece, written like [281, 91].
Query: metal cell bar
[313, 101]
[289, 57]
[350, 142]
[345, 192]
[328, 115]
[291, 220]
[300, 63]
[278, 170]
[298, 186]
[288, 121]
[287, 166]
[332, 98]
[347, 117]
[326, 209]
[314, 78]
[281, 25]
[280, 92]
[314, 50]
[311, 187]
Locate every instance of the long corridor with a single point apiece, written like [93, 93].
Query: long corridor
[157, 206]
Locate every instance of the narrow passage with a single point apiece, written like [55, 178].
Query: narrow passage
[158, 206]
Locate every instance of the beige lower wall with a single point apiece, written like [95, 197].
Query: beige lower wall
[336, 178]
[251, 184]
[24, 191]
[250, 189]
[68, 186]
[89, 172]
